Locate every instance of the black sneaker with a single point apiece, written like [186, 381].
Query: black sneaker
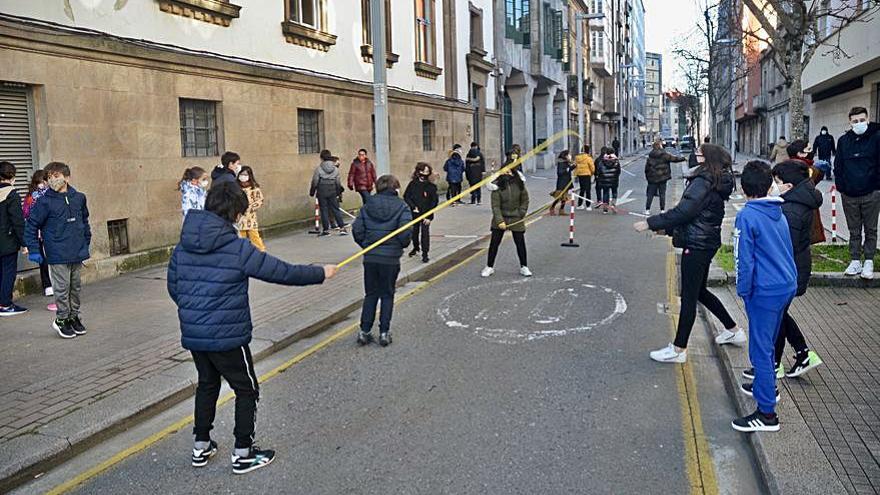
[384, 339]
[200, 456]
[750, 372]
[757, 421]
[425, 258]
[413, 252]
[364, 338]
[77, 326]
[804, 363]
[13, 310]
[746, 388]
[255, 459]
[64, 329]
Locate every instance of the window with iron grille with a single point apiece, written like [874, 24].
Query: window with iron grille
[309, 129]
[428, 135]
[198, 128]
[117, 231]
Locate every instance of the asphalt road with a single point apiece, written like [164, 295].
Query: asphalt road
[500, 385]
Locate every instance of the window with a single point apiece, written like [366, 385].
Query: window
[518, 21]
[425, 50]
[17, 131]
[309, 130]
[117, 231]
[307, 12]
[552, 32]
[598, 8]
[597, 45]
[368, 23]
[198, 128]
[476, 29]
[428, 135]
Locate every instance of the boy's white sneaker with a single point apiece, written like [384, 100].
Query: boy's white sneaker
[854, 268]
[737, 337]
[581, 207]
[647, 213]
[525, 272]
[668, 354]
[868, 269]
[49, 292]
[487, 272]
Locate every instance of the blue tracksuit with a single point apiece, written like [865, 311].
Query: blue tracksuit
[766, 279]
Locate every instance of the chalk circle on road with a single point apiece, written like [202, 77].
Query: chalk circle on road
[529, 309]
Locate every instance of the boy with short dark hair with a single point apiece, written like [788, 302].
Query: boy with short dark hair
[11, 239]
[208, 278]
[61, 217]
[765, 278]
[227, 171]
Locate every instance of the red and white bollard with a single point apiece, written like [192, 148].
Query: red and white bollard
[570, 242]
[317, 219]
[833, 213]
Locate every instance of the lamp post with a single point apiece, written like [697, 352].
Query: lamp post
[380, 86]
[579, 41]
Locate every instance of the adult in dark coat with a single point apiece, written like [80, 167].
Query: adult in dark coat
[658, 171]
[824, 148]
[475, 164]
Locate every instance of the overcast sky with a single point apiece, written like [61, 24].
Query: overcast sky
[667, 21]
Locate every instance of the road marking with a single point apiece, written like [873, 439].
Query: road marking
[698, 459]
[625, 198]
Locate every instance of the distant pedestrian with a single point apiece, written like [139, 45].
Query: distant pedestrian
[658, 172]
[193, 187]
[362, 175]
[510, 203]
[799, 151]
[607, 180]
[248, 226]
[454, 168]
[36, 190]
[476, 167]
[61, 219]
[327, 186]
[421, 197]
[208, 278]
[11, 239]
[564, 166]
[695, 227]
[857, 175]
[584, 170]
[824, 147]
[227, 171]
[779, 153]
[383, 214]
[766, 277]
[616, 145]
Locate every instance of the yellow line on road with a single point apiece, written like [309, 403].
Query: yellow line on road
[698, 458]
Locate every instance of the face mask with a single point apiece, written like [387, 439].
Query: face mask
[203, 184]
[43, 186]
[423, 177]
[860, 128]
[774, 190]
[824, 132]
[57, 183]
[514, 157]
[244, 178]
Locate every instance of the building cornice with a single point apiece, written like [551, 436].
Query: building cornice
[211, 11]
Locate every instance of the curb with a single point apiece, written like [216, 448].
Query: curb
[32, 453]
[718, 277]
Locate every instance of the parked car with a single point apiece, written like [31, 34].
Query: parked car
[669, 142]
[686, 143]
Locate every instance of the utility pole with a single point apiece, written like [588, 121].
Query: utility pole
[380, 87]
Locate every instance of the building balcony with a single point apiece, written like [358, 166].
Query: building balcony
[602, 65]
[759, 102]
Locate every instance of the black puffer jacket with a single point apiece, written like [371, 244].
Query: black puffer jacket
[695, 222]
[383, 213]
[857, 162]
[421, 195]
[801, 203]
[657, 168]
[607, 172]
[824, 146]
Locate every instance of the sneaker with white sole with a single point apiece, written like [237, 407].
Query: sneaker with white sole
[750, 372]
[854, 268]
[49, 292]
[589, 208]
[581, 207]
[737, 337]
[200, 456]
[803, 364]
[868, 270]
[647, 213]
[668, 354]
[746, 388]
[255, 459]
[757, 421]
[525, 272]
[487, 272]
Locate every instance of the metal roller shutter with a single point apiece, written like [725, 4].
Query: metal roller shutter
[15, 132]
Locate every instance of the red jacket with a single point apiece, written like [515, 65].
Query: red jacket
[361, 176]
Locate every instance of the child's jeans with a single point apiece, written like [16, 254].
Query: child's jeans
[379, 285]
[765, 316]
[825, 167]
[237, 367]
[8, 271]
[67, 285]
[606, 194]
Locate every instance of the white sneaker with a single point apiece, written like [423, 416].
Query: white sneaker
[868, 269]
[668, 354]
[581, 207]
[49, 292]
[854, 268]
[736, 337]
[589, 208]
[662, 211]
[525, 272]
[647, 213]
[487, 272]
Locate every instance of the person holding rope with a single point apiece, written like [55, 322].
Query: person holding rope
[563, 181]
[695, 226]
[658, 172]
[510, 203]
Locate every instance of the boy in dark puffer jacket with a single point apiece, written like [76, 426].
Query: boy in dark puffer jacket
[208, 280]
[421, 196]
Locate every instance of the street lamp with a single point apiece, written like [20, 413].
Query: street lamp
[731, 43]
[579, 41]
[380, 86]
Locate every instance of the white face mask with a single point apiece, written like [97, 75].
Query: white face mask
[824, 132]
[774, 190]
[244, 178]
[203, 183]
[860, 128]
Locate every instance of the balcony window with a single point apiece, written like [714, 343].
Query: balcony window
[305, 24]
[518, 21]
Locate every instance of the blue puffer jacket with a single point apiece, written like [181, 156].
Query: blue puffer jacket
[381, 215]
[454, 168]
[208, 280]
[63, 221]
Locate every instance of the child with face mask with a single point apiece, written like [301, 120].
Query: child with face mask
[421, 196]
[248, 227]
[193, 187]
[11, 238]
[36, 190]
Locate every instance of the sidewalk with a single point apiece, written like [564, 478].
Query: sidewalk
[57, 393]
[830, 436]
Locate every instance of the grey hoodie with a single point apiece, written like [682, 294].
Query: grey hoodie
[325, 181]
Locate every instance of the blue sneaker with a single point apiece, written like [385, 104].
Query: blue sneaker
[12, 310]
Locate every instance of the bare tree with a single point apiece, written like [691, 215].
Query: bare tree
[795, 30]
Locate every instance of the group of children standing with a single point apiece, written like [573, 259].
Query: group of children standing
[604, 171]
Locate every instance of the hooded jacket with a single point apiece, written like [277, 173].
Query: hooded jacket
[222, 174]
[763, 251]
[454, 168]
[780, 151]
[800, 207]
[657, 167]
[695, 222]
[475, 170]
[607, 172]
[382, 214]
[11, 221]
[824, 146]
[62, 221]
[857, 162]
[326, 181]
[563, 174]
[361, 176]
[208, 278]
[421, 195]
[584, 165]
[510, 203]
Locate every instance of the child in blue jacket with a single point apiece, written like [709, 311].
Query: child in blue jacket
[61, 218]
[454, 168]
[766, 279]
[208, 280]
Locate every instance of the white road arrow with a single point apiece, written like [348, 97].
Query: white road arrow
[625, 198]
